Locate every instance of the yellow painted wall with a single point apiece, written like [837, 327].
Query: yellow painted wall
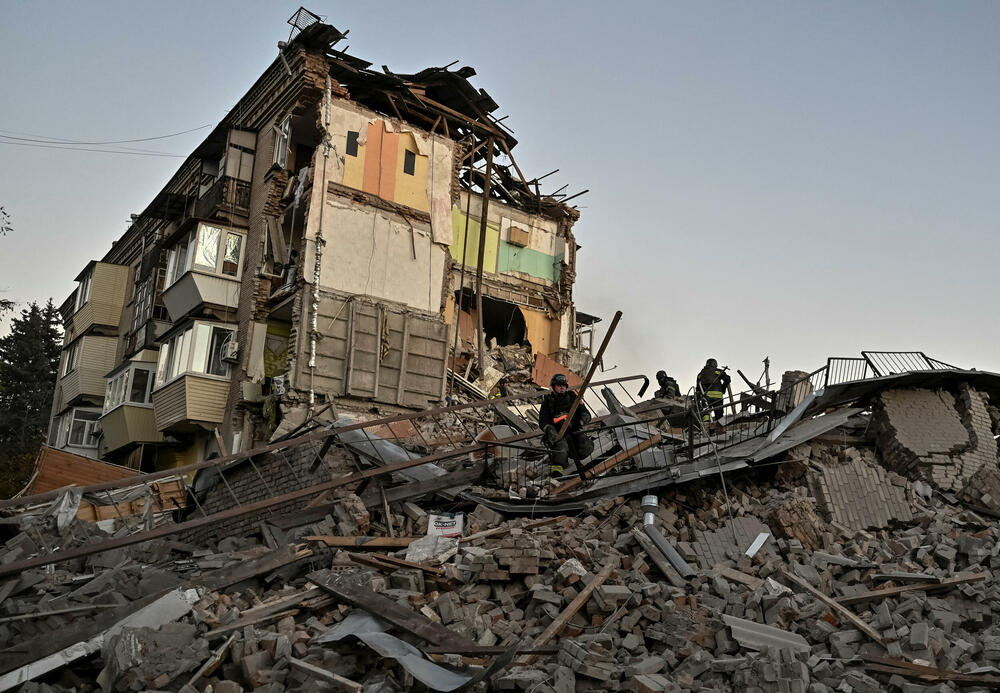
[411, 190]
[543, 331]
[393, 185]
[472, 249]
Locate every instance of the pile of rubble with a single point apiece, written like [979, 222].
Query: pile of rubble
[553, 604]
[846, 547]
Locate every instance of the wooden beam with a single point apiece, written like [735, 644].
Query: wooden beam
[568, 613]
[608, 464]
[841, 611]
[504, 530]
[364, 542]
[960, 579]
[315, 672]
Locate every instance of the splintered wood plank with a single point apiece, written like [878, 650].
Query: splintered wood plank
[568, 613]
[961, 579]
[841, 611]
[364, 542]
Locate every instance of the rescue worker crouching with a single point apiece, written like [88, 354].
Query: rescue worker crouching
[712, 384]
[554, 410]
[668, 386]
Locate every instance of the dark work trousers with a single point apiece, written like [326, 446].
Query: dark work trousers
[574, 444]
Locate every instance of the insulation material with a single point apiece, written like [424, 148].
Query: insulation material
[377, 255]
[255, 364]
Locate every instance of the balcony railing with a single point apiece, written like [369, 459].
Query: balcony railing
[227, 195]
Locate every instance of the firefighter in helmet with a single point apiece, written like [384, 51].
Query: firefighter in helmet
[551, 417]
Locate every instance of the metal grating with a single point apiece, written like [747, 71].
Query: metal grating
[300, 20]
[890, 362]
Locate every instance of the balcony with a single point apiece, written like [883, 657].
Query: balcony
[190, 403]
[100, 299]
[196, 289]
[227, 196]
[129, 424]
[85, 363]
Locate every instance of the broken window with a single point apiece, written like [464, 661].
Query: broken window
[83, 292]
[231, 260]
[199, 349]
[409, 162]
[352, 143]
[282, 139]
[207, 249]
[206, 254]
[81, 432]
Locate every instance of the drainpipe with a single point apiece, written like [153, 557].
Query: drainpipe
[318, 260]
[649, 507]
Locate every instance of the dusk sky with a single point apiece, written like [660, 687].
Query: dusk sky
[787, 179]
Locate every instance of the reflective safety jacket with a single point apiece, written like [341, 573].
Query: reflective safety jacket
[713, 382]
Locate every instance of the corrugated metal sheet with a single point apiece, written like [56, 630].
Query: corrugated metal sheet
[756, 636]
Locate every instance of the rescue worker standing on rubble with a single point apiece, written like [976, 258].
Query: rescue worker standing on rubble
[554, 410]
[668, 386]
[712, 384]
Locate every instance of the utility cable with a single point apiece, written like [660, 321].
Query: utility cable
[102, 151]
[59, 140]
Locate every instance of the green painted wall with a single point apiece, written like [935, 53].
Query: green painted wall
[512, 258]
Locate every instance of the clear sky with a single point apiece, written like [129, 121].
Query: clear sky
[784, 179]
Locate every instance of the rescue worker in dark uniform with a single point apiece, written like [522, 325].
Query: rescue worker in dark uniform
[668, 386]
[554, 410]
[712, 384]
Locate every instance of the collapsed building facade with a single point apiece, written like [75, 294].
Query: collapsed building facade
[835, 532]
[321, 244]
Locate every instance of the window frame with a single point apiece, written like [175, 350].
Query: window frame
[89, 428]
[282, 142]
[351, 148]
[83, 290]
[409, 162]
[118, 389]
[71, 358]
[179, 264]
[188, 352]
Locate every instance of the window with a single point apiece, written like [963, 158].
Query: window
[282, 139]
[53, 440]
[352, 143]
[132, 385]
[207, 249]
[215, 364]
[409, 162]
[143, 305]
[177, 264]
[231, 259]
[70, 358]
[81, 432]
[206, 254]
[83, 292]
[197, 349]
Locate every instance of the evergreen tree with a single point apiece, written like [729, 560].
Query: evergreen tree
[29, 360]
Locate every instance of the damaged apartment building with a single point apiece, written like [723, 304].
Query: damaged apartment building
[321, 244]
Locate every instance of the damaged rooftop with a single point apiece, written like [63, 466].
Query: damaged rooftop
[306, 436]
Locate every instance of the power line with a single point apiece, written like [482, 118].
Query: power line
[86, 149]
[59, 140]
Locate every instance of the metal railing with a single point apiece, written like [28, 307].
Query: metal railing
[228, 195]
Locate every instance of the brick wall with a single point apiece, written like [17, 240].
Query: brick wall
[933, 435]
[854, 491]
